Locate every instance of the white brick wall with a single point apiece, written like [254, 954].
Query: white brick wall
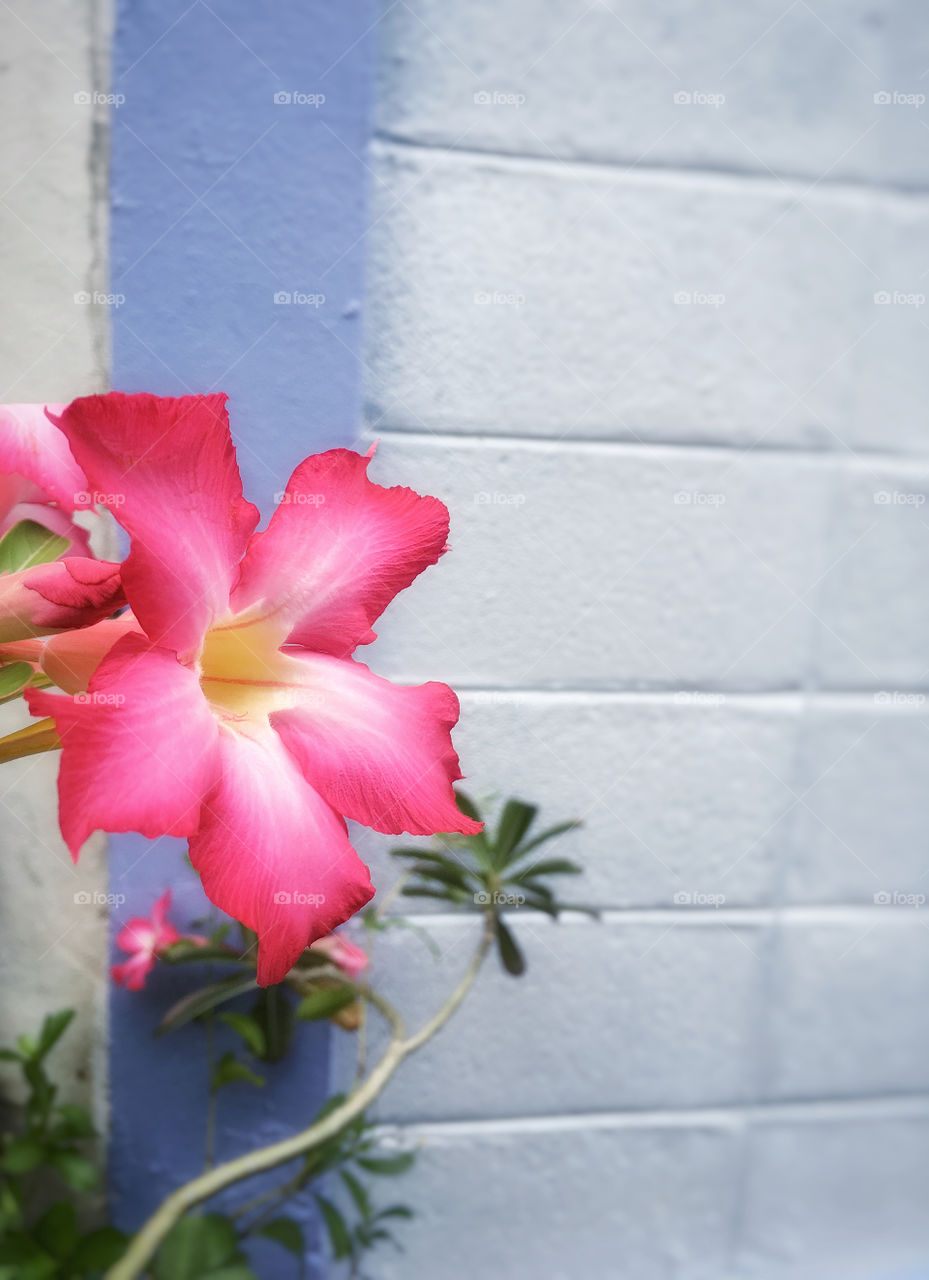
[685, 601]
[52, 245]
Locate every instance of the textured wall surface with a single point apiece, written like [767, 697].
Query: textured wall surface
[53, 346]
[647, 310]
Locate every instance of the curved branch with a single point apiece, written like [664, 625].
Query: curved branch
[145, 1244]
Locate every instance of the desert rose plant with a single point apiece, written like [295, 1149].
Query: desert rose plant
[207, 687]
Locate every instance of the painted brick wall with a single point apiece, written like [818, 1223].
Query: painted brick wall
[646, 310]
[53, 345]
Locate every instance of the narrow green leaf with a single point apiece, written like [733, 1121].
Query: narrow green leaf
[467, 806]
[28, 544]
[515, 820]
[455, 877]
[325, 1002]
[559, 829]
[444, 895]
[387, 1165]
[357, 1192]
[395, 1211]
[231, 1070]
[185, 952]
[510, 955]
[551, 867]
[286, 1232]
[246, 1026]
[339, 1235]
[204, 999]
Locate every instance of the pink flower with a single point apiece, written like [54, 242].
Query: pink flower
[344, 955]
[232, 712]
[143, 939]
[39, 479]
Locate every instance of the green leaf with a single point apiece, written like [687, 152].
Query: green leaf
[248, 1029]
[10, 1055]
[73, 1121]
[395, 1211]
[13, 678]
[230, 1070]
[28, 544]
[205, 999]
[468, 807]
[273, 1011]
[444, 895]
[399, 1163]
[98, 1250]
[196, 1247]
[515, 820]
[186, 952]
[550, 834]
[510, 954]
[339, 1235]
[325, 1002]
[551, 867]
[453, 876]
[357, 1193]
[26, 1260]
[53, 1028]
[56, 1230]
[23, 1155]
[78, 1172]
[285, 1232]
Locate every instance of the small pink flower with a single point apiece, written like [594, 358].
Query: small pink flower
[144, 939]
[344, 955]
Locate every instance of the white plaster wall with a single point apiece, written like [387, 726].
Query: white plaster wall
[52, 244]
[685, 600]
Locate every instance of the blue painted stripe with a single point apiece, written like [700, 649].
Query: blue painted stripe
[237, 175]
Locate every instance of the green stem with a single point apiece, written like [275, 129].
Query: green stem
[146, 1243]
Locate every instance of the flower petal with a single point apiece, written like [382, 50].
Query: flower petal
[167, 468]
[380, 753]
[58, 596]
[71, 658]
[32, 446]
[273, 854]
[337, 550]
[139, 749]
[132, 973]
